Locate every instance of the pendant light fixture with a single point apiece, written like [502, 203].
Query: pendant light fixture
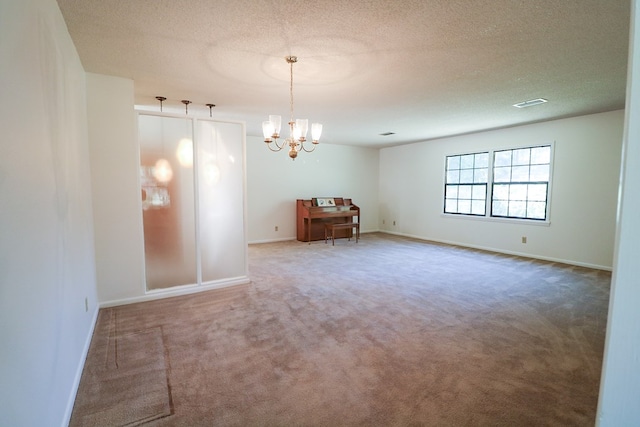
[297, 128]
[184, 152]
[210, 109]
[162, 170]
[161, 98]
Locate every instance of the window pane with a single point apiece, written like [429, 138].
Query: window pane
[479, 192]
[464, 206]
[518, 192]
[482, 160]
[502, 174]
[453, 162]
[536, 210]
[464, 192]
[500, 208]
[538, 192]
[540, 173]
[521, 157]
[453, 177]
[501, 192]
[520, 174]
[466, 175]
[451, 206]
[541, 155]
[502, 158]
[466, 161]
[451, 191]
[518, 209]
[478, 207]
[480, 175]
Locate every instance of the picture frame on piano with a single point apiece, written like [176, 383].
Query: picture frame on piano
[325, 201]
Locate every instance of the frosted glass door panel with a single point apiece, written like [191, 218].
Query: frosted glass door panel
[221, 208]
[167, 180]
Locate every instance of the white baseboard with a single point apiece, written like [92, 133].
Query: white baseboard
[284, 239]
[76, 380]
[506, 252]
[280, 239]
[177, 291]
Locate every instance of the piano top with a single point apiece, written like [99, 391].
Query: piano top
[310, 211]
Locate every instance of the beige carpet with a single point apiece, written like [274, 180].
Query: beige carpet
[389, 331]
[126, 382]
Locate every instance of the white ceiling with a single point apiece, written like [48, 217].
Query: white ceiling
[423, 69]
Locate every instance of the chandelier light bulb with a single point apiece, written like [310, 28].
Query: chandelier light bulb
[303, 126]
[267, 130]
[316, 131]
[296, 133]
[276, 122]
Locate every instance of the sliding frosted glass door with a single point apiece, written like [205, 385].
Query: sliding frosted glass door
[168, 212]
[220, 197]
[192, 200]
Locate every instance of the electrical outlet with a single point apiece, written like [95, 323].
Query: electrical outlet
[86, 304]
[276, 228]
[524, 239]
[383, 222]
[394, 223]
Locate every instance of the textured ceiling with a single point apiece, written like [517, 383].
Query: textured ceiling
[420, 68]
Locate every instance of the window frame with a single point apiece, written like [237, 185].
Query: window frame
[465, 183]
[488, 215]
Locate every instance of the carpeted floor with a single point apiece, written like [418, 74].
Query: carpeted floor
[387, 332]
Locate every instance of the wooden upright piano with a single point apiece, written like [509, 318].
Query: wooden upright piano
[313, 214]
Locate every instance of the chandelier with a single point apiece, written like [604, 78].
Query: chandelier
[297, 128]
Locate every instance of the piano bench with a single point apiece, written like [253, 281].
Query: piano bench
[332, 227]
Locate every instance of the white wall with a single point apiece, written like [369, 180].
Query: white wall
[46, 233]
[582, 202]
[619, 403]
[116, 195]
[274, 182]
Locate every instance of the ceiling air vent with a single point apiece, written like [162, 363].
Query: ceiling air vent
[387, 133]
[530, 103]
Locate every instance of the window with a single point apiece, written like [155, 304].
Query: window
[519, 183]
[466, 184]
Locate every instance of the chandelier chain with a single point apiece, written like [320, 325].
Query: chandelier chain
[291, 88]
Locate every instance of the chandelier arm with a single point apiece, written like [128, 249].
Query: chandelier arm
[278, 147]
[308, 151]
